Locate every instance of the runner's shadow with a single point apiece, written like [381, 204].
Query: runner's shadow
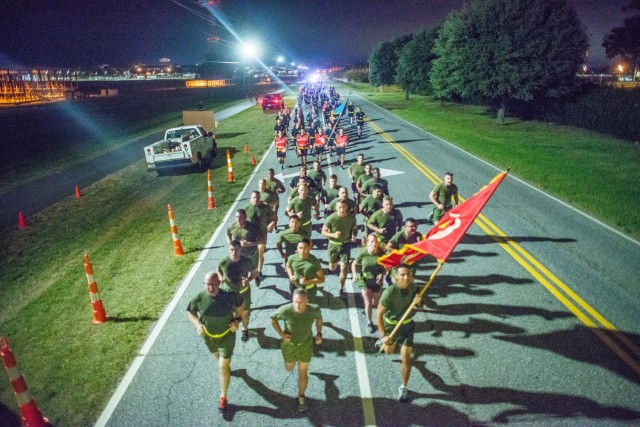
[446, 285]
[563, 344]
[409, 204]
[284, 294]
[472, 327]
[498, 310]
[555, 405]
[489, 239]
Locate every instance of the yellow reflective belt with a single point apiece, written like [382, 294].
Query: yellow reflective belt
[243, 290]
[395, 322]
[218, 335]
[306, 223]
[333, 242]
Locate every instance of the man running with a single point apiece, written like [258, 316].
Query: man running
[261, 215]
[342, 140]
[368, 274]
[297, 337]
[359, 121]
[341, 229]
[301, 206]
[249, 237]
[395, 300]
[236, 272]
[302, 145]
[385, 222]
[281, 148]
[215, 315]
[320, 142]
[304, 270]
[355, 170]
[441, 197]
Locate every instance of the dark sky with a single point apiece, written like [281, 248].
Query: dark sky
[74, 33]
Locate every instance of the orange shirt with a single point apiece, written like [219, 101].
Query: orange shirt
[321, 140]
[281, 143]
[341, 140]
[302, 140]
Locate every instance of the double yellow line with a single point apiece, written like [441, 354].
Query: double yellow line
[605, 330]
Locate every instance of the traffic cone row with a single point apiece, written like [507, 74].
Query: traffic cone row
[99, 315]
[31, 416]
[177, 245]
[229, 168]
[212, 202]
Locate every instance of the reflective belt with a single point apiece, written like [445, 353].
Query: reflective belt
[333, 242]
[307, 287]
[243, 290]
[218, 335]
[395, 322]
[306, 223]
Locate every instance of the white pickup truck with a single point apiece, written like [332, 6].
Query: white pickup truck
[182, 146]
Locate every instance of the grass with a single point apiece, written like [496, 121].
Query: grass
[594, 172]
[71, 365]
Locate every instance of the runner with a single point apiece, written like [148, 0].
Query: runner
[368, 274]
[297, 339]
[302, 145]
[301, 205]
[441, 196]
[343, 195]
[320, 142]
[215, 315]
[355, 170]
[281, 148]
[304, 270]
[376, 179]
[288, 239]
[249, 237]
[236, 273]
[275, 186]
[341, 229]
[342, 140]
[395, 300]
[262, 216]
[385, 222]
[350, 110]
[359, 121]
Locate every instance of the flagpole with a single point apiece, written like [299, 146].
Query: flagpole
[411, 307]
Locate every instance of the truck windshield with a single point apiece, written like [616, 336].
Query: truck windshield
[184, 134]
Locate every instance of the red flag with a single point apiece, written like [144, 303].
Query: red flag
[447, 233]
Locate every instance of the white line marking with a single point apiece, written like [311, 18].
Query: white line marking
[168, 311]
[361, 364]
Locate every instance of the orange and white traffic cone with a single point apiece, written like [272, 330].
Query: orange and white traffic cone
[212, 202]
[31, 416]
[21, 222]
[246, 148]
[99, 315]
[77, 192]
[229, 168]
[253, 160]
[177, 245]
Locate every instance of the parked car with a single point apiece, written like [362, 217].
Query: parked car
[272, 100]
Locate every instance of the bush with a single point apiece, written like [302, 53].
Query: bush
[361, 76]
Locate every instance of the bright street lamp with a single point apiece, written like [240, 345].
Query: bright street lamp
[620, 72]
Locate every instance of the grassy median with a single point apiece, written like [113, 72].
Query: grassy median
[71, 365]
[594, 172]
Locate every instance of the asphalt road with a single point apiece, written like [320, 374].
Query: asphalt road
[534, 319]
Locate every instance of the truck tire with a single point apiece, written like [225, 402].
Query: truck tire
[199, 165]
[214, 151]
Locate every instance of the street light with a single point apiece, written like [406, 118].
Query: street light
[619, 72]
[249, 51]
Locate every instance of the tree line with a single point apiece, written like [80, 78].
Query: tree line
[503, 53]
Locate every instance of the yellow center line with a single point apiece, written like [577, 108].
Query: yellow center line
[576, 305]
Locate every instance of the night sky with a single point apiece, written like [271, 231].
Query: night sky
[84, 33]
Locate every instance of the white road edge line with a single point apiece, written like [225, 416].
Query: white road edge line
[586, 215]
[137, 362]
[361, 364]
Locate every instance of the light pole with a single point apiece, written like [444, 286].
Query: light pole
[619, 72]
[249, 50]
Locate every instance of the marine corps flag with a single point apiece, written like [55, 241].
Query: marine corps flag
[445, 235]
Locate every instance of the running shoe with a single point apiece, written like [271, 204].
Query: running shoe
[372, 328]
[245, 335]
[258, 280]
[223, 405]
[302, 404]
[343, 294]
[403, 394]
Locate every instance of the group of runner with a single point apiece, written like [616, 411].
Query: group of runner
[224, 305]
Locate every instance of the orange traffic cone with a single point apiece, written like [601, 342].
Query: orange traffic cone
[229, 168]
[99, 315]
[253, 160]
[177, 245]
[29, 411]
[212, 202]
[21, 222]
[77, 192]
[246, 148]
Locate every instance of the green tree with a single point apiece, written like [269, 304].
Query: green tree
[504, 50]
[383, 61]
[625, 41]
[414, 63]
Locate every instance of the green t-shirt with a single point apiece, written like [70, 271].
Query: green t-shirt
[344, 225]
[249, 232]
[397, 301]
[351, 205]
[368, 185]
[391, 221]
[268, 197]
[369, 264]
[370, 204]
[260, 216]
[289, 240]
[275, 186]
[215, 313]
[444, 193]
[307, 268]
[298, 205]
[400, 239]
[362, 179]
[356, 170]
[233, 272]
[332, 193]
[318, 177]
[298, 324]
